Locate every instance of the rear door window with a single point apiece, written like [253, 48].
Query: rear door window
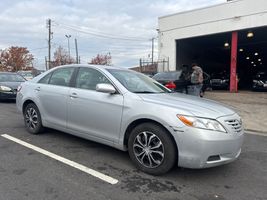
[61, 76]
[45, 79]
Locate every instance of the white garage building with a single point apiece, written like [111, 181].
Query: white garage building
[230, 36]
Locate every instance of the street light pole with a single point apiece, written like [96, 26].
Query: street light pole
[152, 59]
[68, 37]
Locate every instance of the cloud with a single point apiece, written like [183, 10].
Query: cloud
[23, 23]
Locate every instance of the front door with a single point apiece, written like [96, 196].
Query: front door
[94, 113]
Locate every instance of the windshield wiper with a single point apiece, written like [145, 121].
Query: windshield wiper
[148, 92]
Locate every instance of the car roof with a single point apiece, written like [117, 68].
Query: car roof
[91, 65]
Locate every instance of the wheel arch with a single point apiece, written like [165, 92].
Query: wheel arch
[27, 102]
[145, 120]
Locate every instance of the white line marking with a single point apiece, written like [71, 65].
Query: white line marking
[83, 168]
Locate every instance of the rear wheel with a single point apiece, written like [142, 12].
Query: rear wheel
[152, 149]
[32, 119]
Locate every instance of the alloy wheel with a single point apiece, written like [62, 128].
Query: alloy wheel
[31, 118]
[148, 149]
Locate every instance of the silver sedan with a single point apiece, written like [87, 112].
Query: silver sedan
[130, 111]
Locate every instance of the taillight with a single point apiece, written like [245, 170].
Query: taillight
[170, 85]
[19, 88]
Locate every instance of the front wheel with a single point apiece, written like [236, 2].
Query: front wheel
[32, 119]
[152, 149]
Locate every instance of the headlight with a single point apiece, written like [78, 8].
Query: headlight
[203, 123]
[5, 88]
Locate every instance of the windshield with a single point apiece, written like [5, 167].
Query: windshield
[137, 83]
[11, 78]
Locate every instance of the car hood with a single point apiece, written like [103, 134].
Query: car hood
[13, 85]
[189, 105]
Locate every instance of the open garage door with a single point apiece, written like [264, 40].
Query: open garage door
[213, 54]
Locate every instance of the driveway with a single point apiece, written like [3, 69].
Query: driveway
[252, 107]
[26, 174]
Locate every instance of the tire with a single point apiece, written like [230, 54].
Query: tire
[154, 155]
[32, 119]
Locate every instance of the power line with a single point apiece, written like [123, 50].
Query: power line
[100, 35]
[38, 48]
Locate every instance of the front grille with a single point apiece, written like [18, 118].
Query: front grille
[235, 125]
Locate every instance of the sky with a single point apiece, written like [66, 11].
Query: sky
[123, 28]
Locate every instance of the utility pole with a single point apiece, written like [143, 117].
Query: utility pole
[49, 42]
[45, 63]
[152, 56]
[76, 47]
[68, 36]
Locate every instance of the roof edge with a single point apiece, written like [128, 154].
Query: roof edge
[201, 8]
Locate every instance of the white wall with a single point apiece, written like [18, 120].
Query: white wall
[229, 16]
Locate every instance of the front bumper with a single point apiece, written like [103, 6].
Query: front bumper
[259, 87]
[8, 95]
[199, 148]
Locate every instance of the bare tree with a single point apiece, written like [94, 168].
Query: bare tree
[61, 57]
[15, 59]
[102, 59]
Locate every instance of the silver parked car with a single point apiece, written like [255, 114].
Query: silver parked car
[130, 111]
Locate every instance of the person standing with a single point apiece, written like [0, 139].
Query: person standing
[196, 80]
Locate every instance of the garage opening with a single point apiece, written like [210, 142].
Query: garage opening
[213, 54]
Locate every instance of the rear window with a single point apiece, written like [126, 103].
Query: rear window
[168, 75]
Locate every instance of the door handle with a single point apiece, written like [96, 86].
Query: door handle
[37, 89]
[74, 95]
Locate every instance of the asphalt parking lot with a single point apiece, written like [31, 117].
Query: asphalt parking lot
[26, 174]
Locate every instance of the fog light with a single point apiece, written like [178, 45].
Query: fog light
[214, 158]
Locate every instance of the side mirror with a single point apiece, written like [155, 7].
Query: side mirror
[106, 88]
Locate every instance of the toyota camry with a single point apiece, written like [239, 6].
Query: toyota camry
[132, 112]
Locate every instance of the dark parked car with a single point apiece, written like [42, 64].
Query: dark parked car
[26, 74]
[260, 81]
[9, 83]
[174, 80]
[179, 81]
[220, 81]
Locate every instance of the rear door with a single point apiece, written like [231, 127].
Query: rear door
[53, 93]
[94, 113]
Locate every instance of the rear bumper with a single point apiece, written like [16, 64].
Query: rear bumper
[219, 86]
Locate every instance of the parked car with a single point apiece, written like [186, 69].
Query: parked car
[220, 80]
[260, 81]
[26, 74]
[9, 83]
[174, 80]
[130, 111]
[179, 81]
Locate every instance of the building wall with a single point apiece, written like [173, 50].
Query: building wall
[229, 16]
